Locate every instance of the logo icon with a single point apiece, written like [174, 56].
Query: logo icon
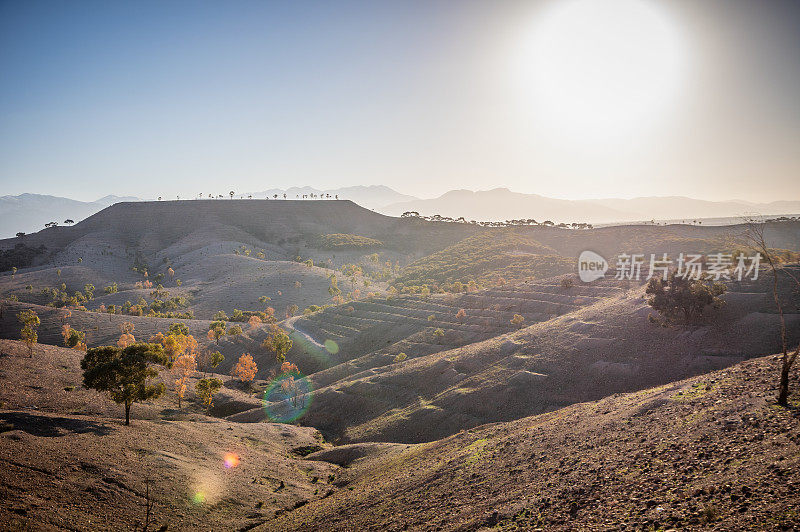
[591, 266]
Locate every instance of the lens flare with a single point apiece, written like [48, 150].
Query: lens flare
[231, 460]
[288, 398]
[316, 351]
[331, 346]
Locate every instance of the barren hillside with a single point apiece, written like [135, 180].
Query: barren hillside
[708, 453]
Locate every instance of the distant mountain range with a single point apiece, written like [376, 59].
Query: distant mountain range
[29, 212]
[503, 204]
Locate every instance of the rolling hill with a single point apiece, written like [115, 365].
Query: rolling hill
[435, 353]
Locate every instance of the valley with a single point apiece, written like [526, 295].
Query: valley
[431, 359]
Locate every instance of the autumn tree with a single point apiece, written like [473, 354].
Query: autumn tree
[183, 367]
[216, 331]
[178, 342]
[254, 322]
[277, 342]
[518, 320]
[460, 315]
[125, 372]
[30, 323]
[205, 389]
[73, 339]
[126, 338]
[290, 375]
[245, 369]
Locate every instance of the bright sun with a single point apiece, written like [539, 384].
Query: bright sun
[602, 71]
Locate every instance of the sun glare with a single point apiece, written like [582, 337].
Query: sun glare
[601, 71]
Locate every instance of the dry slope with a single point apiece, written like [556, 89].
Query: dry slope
[708, 453]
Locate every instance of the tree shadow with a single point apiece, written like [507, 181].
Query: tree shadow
[50, 427]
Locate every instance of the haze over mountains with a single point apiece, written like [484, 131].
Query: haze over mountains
[29, 212]
[503, 204]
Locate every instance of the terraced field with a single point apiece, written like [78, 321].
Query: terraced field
[407, 323]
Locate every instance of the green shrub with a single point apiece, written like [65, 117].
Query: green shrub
[680, 299]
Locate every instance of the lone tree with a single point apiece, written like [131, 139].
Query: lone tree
[234, 331]
[205, 389]
[184, 366]
[126, 338]
[216, 331]
[210, 360]
[124, 372]
[73, 339]
[291, 376]
[30, 322]
[680, 299]
[460, 315]
[518, 320]
[278, 342]
[245, 369]
[756, 239]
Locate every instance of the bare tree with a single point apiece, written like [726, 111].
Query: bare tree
[146, 469]
[755, 236]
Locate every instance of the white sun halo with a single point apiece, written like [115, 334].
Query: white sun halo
[602, 71]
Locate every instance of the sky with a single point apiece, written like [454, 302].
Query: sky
[646, 98]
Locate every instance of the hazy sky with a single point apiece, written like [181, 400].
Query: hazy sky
[168, 98]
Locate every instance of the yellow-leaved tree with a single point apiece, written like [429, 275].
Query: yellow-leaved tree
[30, 323]
[183, 367]
[126, 338]
[245, 369]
